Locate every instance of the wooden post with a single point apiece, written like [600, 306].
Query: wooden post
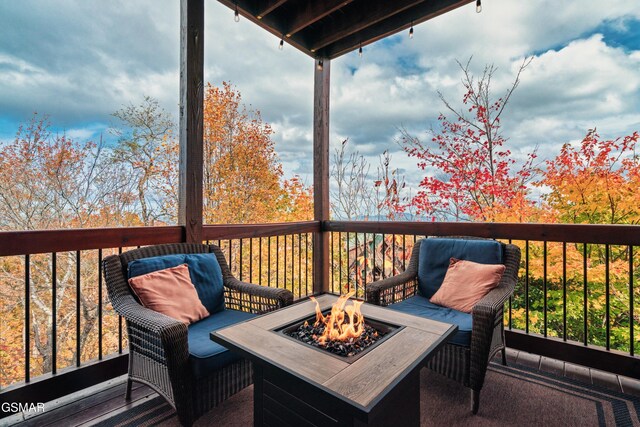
[321, 173]
[191, 121]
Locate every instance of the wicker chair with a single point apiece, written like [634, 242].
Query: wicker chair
[158, 345]
[466, 364]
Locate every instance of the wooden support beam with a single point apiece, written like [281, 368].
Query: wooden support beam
[356, 17]
[321, 173]
[308, 12]
[393, 24]
[267, 6]
[191, 119]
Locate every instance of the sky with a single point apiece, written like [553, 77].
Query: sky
[78, 61]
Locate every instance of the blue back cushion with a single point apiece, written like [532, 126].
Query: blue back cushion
[435, 254]
[204, 270]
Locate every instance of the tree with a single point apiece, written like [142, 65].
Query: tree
[50, 181]
[470, 173]
[242, 173]
[143, 146]
[596, 182]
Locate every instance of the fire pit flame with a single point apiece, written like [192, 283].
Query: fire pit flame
[343, 323]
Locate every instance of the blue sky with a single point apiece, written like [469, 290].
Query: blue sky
[79, 61]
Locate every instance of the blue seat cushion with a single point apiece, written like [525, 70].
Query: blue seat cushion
[206, 356]
[435, 254]
[204, 271]
[420, 306]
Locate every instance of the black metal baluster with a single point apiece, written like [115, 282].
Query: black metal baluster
[27, 318]
[284, 264]
[300, 264]
[404, 253]
[510, 301]
[607, 315]
[355, 263]
[119, 321]
[260, 261]
[230, 263]
[332, 263]
[631, 336]
[564, 290]
[240, 260]
[269, 262]
[340, 260]
[277, 261]
[373, 262]
[544, 285]
[250, 259]
[293, 263]
[584, 291]
[526, 286]
[99, 304]
[54, 317]
[78, 309]
[393, 254]
[384, 256]
[366, 243]
[306, 262]
[348, 267]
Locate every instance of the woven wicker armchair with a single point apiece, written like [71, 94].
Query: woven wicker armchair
[466, 364]
[158, 344]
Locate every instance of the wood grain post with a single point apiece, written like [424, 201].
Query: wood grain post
[191, 120]
[321, 174]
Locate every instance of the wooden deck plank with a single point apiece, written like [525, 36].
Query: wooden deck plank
[115, 403]
[605, 379]
[577, 372]
[630, 385]
[529, 360]
[553, 366]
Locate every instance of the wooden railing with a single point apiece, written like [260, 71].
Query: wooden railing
[58, 273]
[583, 311]
[53, 281]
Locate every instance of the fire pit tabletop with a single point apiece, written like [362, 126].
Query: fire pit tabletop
[362, 384]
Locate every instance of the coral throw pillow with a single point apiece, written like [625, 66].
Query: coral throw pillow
[170, 292]
[466, 283]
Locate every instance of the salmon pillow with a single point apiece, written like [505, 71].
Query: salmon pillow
[170, 292]
[466, 283]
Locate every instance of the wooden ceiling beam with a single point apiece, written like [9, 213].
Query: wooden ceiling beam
[265, 7]
[353, 19]
[396, 23]
[307, 12]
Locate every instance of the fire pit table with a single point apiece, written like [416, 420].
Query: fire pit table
[297, 384]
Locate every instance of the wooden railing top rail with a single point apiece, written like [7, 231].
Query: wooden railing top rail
[46, 241]
[574, 233]
[237, 231]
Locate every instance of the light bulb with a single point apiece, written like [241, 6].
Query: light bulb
[320, 65]
[411, 32]
[360, 51]
[236, 15]
[281, 45]
[478, 6]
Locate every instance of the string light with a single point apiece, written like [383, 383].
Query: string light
[236, 14]
[320, 65]
[281, 45]
[478, 6]
[360, 51]
[411, 31]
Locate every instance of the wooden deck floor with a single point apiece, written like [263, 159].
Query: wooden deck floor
[106, 400]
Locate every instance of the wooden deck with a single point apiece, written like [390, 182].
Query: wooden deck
[106, 400]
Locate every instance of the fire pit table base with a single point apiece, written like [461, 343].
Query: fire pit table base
[281, 399]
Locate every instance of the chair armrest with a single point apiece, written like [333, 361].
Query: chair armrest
[255, 298]
[397, 287]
